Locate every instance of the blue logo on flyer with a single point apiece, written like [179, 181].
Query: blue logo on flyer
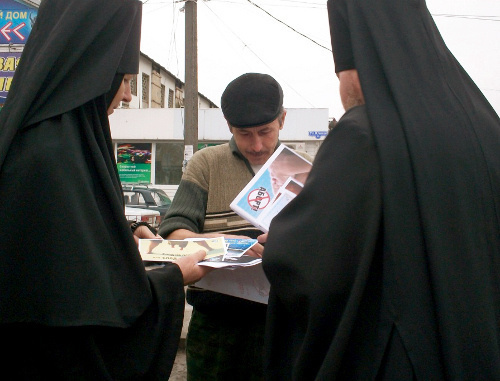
[258, 198]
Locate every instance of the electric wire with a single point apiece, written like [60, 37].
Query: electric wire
[288, 26]
[256, 55]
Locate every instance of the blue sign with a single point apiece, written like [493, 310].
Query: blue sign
[8, 66]
[318, 134]
[16, 22]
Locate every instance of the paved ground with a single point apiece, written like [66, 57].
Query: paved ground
[179, 371]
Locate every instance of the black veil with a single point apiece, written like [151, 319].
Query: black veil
[68, 257]
[438, 140]
[433, 273]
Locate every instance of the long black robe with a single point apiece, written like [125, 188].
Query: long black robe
[68, 258]
[427, 303]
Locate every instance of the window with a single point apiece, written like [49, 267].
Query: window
[162, 98]
[133, 85]
[169, 157]
[134, 198]
[170, 98]
[145, 90]
[161, 199]
[179, 97]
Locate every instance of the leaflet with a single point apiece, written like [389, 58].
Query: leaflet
[220, 251]
[279, 180]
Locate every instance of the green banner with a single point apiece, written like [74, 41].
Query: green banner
[134, 173]
[134, 162]
[204, 145]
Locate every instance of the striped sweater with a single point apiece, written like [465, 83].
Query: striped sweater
[214, 176]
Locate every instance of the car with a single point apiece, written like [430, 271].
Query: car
[150, 216]
[142, 196]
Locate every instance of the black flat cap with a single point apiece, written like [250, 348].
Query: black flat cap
[251, 100]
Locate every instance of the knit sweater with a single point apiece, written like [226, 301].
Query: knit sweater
[214, 176]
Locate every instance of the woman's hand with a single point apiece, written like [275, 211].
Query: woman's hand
[191, 270]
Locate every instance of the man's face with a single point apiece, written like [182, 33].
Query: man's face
[123, 94]
[257, 144]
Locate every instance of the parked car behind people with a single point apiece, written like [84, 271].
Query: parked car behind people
[141, 196]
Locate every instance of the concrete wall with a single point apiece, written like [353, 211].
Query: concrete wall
[301, 125]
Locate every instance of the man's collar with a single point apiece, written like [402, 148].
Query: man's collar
[235, 150]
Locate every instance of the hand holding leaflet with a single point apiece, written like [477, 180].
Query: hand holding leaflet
[221, 252]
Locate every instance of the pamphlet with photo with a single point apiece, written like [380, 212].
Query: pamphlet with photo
[167, 250]
[221, 252]
[278, 181]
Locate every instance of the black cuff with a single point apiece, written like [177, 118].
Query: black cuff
[135, 225]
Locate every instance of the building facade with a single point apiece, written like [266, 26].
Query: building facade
[148, 132]
[150, 142]
[156, 87]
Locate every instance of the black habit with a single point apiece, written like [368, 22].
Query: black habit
[72, 283]
[387, 265]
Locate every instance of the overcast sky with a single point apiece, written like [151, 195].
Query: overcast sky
[239, 36]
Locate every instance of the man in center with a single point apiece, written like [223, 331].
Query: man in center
[225, 336]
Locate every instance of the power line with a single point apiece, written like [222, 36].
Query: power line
[470, 17]
[288, 26]
[301, 2]
[238, 37]
[305, 3]
[254, 53]
[173, 39]
[296, 4]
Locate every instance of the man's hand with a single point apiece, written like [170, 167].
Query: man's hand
[191, 271]
[257, 250]
[144, 233]
[262, 238]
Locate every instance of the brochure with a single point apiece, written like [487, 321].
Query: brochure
[247, 283]
[279, 180]
[236, 247]
[221, 252]
[167, 250]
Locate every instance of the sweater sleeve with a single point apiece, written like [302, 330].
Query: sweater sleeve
[187, 210]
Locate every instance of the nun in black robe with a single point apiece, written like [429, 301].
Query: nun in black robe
[76, 301]
[387, 264]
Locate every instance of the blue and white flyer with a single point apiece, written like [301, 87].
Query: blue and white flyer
[256, 202]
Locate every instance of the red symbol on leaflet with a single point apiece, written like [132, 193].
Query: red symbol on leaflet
[258, 199]
[5, 31]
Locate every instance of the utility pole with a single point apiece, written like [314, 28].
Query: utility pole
[191, 89]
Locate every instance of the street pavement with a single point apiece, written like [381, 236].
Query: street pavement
[179, 371]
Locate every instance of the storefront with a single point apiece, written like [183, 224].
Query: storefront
[149, 143]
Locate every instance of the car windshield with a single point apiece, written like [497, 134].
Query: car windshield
[161, 199]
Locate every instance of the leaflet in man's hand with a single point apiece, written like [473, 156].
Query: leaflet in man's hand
[279, 180]
[221, 252]
[166, 250]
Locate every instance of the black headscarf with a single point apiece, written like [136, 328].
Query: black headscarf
[68, 256]
[438, 142]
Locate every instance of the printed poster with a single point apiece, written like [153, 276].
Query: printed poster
[134, 162]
